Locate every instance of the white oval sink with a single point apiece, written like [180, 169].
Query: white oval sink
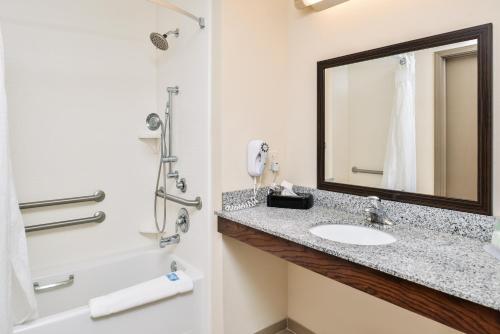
[352, 234]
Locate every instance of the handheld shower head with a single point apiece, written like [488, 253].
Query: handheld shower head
[153, 122]
[160, 41]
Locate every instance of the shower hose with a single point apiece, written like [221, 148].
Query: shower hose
[161, 170]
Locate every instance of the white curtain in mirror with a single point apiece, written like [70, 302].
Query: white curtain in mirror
[17, 300]
[401, 153]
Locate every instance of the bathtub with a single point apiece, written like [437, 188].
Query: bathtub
[64, 310]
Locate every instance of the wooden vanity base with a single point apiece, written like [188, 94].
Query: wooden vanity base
[451, 311]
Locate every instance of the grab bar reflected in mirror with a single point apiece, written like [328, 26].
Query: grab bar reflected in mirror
[98, 196]
[367, 171]
[97, 218]
[39, 288]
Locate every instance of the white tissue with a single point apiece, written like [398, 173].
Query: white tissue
[159, 288]
[287, 189]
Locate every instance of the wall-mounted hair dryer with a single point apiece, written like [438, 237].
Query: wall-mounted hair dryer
[257, 155]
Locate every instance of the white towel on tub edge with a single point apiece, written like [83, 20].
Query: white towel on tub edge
[141, 294]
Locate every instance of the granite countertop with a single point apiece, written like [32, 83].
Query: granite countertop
[446, 262]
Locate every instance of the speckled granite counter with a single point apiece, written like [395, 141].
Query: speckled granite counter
[447, 262]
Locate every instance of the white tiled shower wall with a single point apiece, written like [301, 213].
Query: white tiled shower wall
[82, 76]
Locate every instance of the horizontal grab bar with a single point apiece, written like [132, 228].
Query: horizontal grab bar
[367, 171]
[196, 202]
[97, 218]
[98, 196]
[39, 288]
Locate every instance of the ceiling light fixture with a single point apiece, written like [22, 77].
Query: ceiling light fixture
[317, 4]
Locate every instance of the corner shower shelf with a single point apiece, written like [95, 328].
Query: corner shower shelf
[151, 139]
[149, 135]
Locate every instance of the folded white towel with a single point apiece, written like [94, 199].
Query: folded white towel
[159, 288]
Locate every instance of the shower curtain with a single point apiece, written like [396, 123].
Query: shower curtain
[400, 166]
[17, 300]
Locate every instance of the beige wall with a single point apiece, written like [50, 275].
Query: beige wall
[266, 87]
[359, 25]
[358, 127]
[358, 103]
[337, 121]
[329, 307]
[249, 103]
[355, 26]
[424, 96]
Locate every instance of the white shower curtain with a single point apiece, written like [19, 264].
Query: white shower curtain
[400, 166]
[17, 300]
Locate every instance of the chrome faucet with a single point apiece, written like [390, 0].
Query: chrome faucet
[182, 223]
[375, 213]
[171, 240]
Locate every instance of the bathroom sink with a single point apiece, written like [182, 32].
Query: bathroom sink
[351, 234]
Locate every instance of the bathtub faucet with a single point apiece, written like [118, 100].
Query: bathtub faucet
[171, 240]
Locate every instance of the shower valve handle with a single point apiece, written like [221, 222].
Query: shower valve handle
[182, 222]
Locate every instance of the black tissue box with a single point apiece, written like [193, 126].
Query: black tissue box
[303, 201]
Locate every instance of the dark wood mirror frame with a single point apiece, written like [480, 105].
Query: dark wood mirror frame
[483, 205]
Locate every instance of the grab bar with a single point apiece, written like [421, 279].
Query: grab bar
[98, 196]
[97, 218]
[38, 288]
[367, 171]
[196, 202]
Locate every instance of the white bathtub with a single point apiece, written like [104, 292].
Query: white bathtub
[64, 310]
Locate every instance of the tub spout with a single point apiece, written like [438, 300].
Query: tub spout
[171, 240]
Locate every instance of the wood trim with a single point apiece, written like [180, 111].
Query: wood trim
[483, 205]
[451, 311]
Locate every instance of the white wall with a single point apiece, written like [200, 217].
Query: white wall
[187, 64]
[82, 77]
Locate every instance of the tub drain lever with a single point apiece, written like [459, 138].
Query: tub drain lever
[39, 288]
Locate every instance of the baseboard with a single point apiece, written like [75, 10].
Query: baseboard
[274, 328]
[289, 324]
[298, 328]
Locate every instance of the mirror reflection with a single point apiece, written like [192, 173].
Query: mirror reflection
[406, 122]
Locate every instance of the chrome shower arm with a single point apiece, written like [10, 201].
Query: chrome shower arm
[199, 20]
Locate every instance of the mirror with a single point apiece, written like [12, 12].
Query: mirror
[410, 122]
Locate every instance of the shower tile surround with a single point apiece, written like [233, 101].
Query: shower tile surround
[437, 248]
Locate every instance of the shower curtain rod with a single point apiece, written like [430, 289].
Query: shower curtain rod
[200, 20]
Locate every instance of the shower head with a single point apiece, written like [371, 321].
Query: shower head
[153, 122]
[160, 41]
